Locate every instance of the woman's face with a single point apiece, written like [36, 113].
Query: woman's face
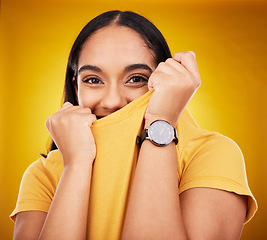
[113, 69]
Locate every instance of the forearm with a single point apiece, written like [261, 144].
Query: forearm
[67, 216]
[154, 209]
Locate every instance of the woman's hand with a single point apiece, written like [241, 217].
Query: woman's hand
[70, 129]
[174, 82]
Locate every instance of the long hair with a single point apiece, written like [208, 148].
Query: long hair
[147, 30]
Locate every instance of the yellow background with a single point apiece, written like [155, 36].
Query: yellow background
[229, 39]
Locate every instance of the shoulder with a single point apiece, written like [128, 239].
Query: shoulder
[211, 160]
[51, 166]
[206, 153]
[194, 141]
[39, 183]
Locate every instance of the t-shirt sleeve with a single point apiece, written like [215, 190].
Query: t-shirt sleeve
[217, 162]
[37, 187]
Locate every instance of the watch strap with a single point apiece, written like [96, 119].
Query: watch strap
[175, 139]
[144, 135]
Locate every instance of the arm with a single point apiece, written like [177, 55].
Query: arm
[32, 221]
[67, 216]
[155, 210]
[67, 211]
[213, 214]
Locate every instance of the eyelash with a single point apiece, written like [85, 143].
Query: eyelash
[86, 80]
[138, 77]
[96, 81]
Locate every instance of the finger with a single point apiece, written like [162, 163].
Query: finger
[155, 79]
[88, 119]
[48, 124]
[79, 109]
[66, 105]
[150, 81]
[187, 59]
[92, 118]
[175, 65]
[170, 67]
[192, 54]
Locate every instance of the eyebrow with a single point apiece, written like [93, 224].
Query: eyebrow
[127, 68]
[89, 67]
[138, 66]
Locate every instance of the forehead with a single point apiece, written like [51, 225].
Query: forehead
[118, 45]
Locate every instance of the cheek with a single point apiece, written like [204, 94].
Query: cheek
[132, 95]
[88, 99]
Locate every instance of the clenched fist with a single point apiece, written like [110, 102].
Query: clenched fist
[174, 82]
[70, 129]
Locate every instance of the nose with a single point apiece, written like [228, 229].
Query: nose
[113, 99]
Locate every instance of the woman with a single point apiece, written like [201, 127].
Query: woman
[184, 184]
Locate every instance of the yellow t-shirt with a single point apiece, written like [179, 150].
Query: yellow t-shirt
[205, 159]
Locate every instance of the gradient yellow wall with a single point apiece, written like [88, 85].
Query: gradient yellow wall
[229, 39]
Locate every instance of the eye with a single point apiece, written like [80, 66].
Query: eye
[137, 80]
[92, 80]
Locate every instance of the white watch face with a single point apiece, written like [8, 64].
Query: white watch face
[161, 132]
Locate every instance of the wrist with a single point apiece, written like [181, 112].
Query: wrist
[78, 163]
[160, 132]
[78, 170]
[149, 118]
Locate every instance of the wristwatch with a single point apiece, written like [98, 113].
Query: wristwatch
[160, 133]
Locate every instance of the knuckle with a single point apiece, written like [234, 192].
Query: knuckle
[53, 120]
[89, 110]
[157, 77]
[47, 123]
[56, 119]
[94, 117]
[188, 55]
[66, 104]
[160, 66]
[152, 76]
[177, 54]
[198, 83]
[169, 60]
